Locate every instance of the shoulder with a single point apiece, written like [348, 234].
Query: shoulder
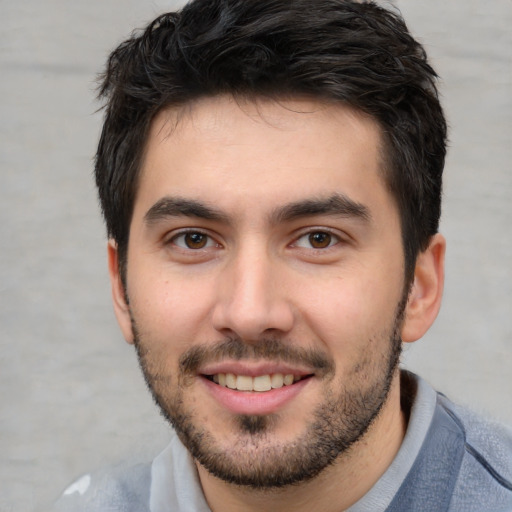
[487, 441]
[485, 476]
[118, 489]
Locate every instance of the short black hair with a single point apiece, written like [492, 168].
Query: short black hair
[353, 52]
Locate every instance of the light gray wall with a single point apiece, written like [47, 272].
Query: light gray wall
[72, 398]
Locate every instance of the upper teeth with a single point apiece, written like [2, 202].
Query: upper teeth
[259, 383]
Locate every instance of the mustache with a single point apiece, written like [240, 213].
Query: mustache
[268, 348]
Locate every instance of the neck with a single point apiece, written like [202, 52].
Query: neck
[338, 487]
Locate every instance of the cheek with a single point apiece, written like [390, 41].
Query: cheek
[170, 312]
[350, 312]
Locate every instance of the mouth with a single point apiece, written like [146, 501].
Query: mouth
[259, 383]
[255, 388]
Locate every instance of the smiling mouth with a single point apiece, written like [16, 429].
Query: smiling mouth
[260, 383]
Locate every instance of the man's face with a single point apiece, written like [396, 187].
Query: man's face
[265, 255]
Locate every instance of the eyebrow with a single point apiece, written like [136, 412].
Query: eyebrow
[337, 204]
[179, 207]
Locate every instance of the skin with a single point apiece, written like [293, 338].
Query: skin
[259, 276]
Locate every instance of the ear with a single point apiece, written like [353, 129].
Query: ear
[425, 296]
[119, 300]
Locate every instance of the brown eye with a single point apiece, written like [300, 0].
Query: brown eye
[320, 240]
[195, 240]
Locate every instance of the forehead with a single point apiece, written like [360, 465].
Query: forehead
[234, 152]
[211, 118]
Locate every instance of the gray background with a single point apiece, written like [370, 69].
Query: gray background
[71, 395]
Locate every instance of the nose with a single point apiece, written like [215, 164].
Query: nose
[252, 299]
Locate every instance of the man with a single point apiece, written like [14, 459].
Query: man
[270, 175]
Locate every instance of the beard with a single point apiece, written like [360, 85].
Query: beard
[255, 459]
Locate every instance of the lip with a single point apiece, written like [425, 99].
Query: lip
[255, 402]
[253, 370]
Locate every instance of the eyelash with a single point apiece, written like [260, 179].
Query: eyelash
[210, 241]
[333, 240]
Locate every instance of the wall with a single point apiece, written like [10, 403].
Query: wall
[72, 398]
